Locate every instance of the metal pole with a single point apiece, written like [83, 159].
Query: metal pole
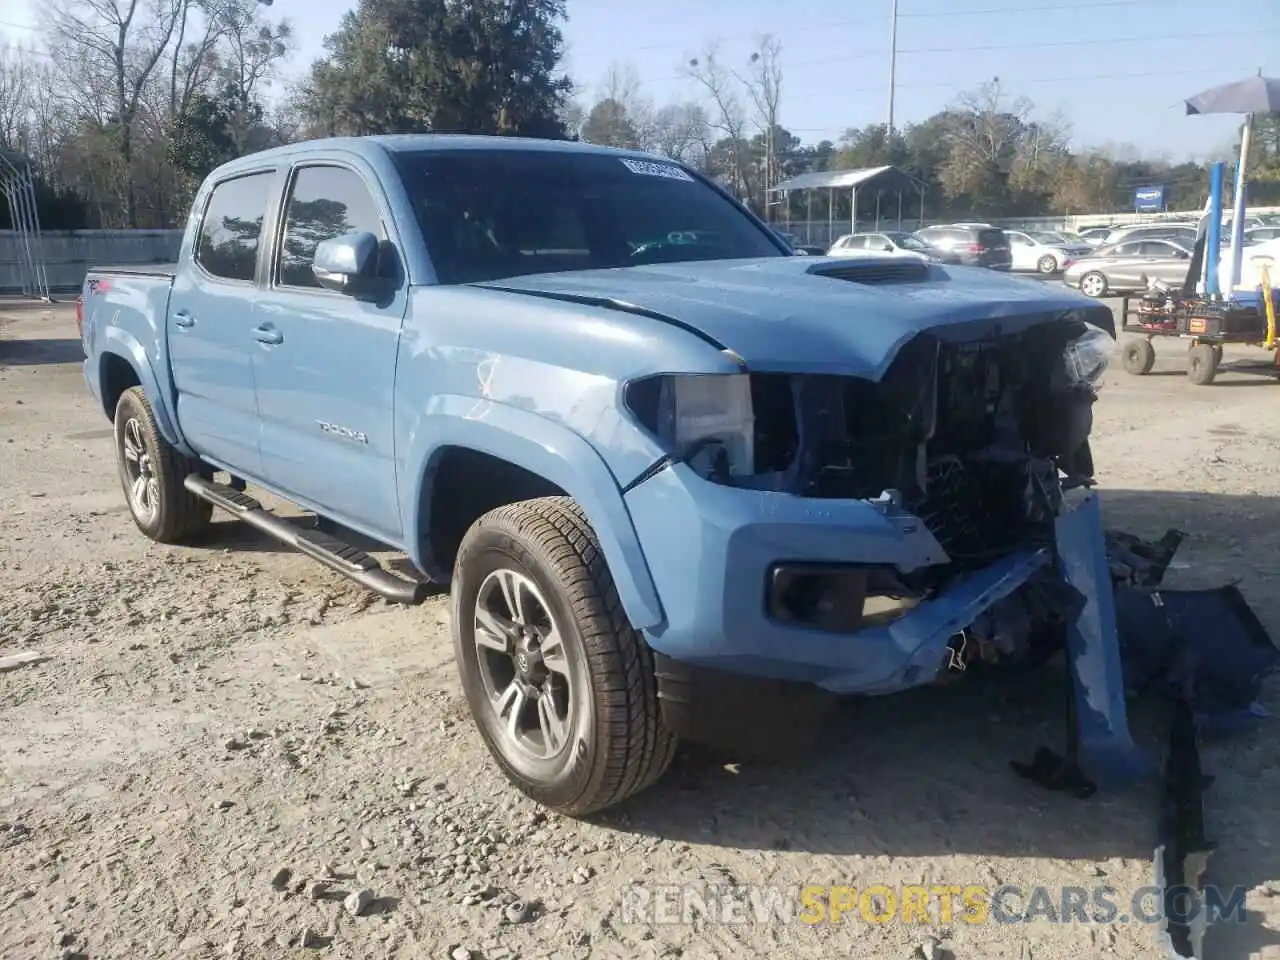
[1237, 212]
[853, 209]
[1212, 241]
[893, 59]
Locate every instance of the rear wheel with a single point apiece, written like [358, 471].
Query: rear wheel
[560, 685]
[1093, 284]
[152, 473]
[1138, 356]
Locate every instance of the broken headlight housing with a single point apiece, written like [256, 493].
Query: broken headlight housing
[1085, 358]
[705, 420]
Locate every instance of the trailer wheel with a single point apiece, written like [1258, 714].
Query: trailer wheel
[1138, 357]
[1202, 364]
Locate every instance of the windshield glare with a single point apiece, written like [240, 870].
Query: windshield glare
[494, 214]
[908, 242]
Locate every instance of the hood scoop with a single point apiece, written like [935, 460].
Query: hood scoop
[877, 271]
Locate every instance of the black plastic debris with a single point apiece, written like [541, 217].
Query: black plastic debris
[1204, 648]
[1182, 849]
[1138, 562]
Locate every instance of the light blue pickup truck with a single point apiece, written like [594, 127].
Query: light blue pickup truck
[683, 483]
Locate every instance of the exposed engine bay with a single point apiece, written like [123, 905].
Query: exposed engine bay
[979, 440]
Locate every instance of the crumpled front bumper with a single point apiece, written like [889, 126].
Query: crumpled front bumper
[710, 549]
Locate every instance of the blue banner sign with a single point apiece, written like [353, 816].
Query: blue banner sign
[1148, 199]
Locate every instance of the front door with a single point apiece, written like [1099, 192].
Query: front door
[210, 325]
[325, 364]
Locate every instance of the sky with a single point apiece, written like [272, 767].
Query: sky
[1116, 70]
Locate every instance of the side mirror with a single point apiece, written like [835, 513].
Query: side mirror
[347, 264]
[887, 247]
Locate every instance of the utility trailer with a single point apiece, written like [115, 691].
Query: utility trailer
[1207, 324]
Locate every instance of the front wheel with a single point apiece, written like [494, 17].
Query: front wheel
[1202, 364]
[1047, 264]
[152, 473]
[560, 686]
[1138, 356]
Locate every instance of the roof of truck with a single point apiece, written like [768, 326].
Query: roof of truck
[412, 142]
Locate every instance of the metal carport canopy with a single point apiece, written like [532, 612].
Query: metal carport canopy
[886, 178]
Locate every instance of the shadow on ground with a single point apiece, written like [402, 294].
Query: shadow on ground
[230, 534]
[33, 353]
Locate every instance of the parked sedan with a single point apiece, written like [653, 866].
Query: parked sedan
[890, 243]
[1041, 251]
[1127, 267]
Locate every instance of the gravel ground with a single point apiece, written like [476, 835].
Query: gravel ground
[226, 743]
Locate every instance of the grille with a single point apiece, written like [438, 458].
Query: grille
[973, 510]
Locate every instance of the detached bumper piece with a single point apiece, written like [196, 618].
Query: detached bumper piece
[1205, 651]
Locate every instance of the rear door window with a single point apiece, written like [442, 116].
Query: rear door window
[231, 232]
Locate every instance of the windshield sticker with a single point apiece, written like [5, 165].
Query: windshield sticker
[650, 169]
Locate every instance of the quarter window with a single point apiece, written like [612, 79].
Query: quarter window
[232, 227]
[325, 202]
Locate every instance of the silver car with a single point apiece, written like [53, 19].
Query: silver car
[1127, 267]
[1042, 251]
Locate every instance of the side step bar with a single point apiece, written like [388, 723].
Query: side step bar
[332, 552]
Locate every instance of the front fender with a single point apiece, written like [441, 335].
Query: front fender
[124, 345]
[551, 451]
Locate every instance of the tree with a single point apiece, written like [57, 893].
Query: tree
[727, 116]
[763, 84]
[115, 45]
[462, 66]
[609, 125]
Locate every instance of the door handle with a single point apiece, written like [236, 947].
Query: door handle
[183, 319]
[268, 335]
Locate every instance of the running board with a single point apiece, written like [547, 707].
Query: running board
[333, 553]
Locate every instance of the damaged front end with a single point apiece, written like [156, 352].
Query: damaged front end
[967, 448]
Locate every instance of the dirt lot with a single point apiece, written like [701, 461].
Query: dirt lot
[208, 716]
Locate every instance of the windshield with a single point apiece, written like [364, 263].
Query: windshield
[494, 214]
[1043, 237]
[908, 241]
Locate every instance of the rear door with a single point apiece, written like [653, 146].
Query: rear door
[210, 323]
[325, 384]
[995, 248]
[1165, 261]
[1126, 266]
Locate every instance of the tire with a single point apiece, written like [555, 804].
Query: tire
[152, 474]
[611, 742]
[1138, 357]
[1094, 284]
[1202, 364]
[1047, 264]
